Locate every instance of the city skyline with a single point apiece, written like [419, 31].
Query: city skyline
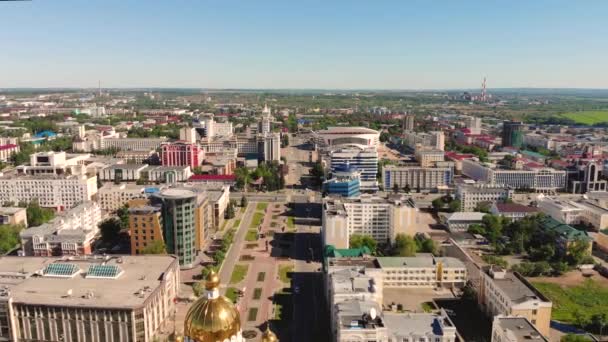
[239, 45]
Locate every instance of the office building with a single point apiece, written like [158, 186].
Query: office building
[122, 172]
[562, 211]
[145, 225]
[148, 173]
[111, 299]
[506, 293]
[54, 163]
[181, 154]
[70, 233]
[421, 140]
[417, 177]
[210, 129]
[138, 157]
[136, 144]
[188, 134]
[186, 222]
[513, 211]
[345, 181]
[269, 147]
[13, 215]
[515, 329]
[265, 124]
[512, 134]
[541, 179]
[380, 218]
[429, 157]
[470, 195]
[365, 160]
[51, 191]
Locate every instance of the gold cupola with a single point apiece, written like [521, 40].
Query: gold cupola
[212, 318]
[269, 336]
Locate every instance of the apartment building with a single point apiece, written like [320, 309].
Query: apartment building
[111, 299]
[380, 218]
[365, 160]
[145, 225]
[540, 179]
[51, 191]
[470, 195]
[70, 233]
[417, 177]
[506, 293]
[114, 196]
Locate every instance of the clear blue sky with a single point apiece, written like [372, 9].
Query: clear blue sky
[304, 44]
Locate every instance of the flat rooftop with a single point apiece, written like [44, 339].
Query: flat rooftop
[519, 329]
[420, 261]
[141, 275]
[419, 324]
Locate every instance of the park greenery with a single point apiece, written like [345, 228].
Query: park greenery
[526, 236]
[230, 210]
[404, 245]
[9, 237]
[446, 202]
[155, 247]
[36, 215]
[272, 177]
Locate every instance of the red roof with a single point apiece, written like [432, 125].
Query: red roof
[459, 156]
[514, 208]
[213, 178]
[8, 146]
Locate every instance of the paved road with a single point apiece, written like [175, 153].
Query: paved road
[310, 314]
[233, 253]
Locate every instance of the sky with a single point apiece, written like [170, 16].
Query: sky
[331, 44]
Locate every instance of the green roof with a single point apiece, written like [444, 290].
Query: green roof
[60, 270]
[332, 252]
[563, 230]
[103, 271]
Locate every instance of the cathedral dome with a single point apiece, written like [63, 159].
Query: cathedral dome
[212, 318]
[269, 336]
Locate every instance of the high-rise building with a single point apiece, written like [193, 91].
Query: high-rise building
[512, 134]
[92, 298]
[269, 147]
[145, 225]
[345, 181]
[380, 218]
[409, 122]
[265, 123]
[186, 220]
[188, 134]
[438, 140]
[181, 154]
[473, 123]
[365, 160]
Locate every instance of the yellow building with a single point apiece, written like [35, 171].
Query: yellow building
[145, 225]
[507, 293]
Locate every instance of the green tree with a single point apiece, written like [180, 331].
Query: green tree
[577, 251]
[426, 246]
[359, 241]
[230, 210]
[404, 246]
[243, 178]
[244, 201]
[123, 216]
[407, 189]
[155, 247]
[483, 207]
[110, 230]
[574, 338]
[454, 205]
[9, 237]
[317, 173]
[395, 188]
[36, 215]
[197, 170]
[438, 203]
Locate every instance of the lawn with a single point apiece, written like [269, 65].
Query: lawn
[253, 314]
[587, 299]
[257, 293]
[232, 294]
[238, 273]
[252, 235]
[257, 220]
[261, 206]
[291, 224]
[284, 273]
[428, 307]
[261, 276]
[588, 117]
[236, 224]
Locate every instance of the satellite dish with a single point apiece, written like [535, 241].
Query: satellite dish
[372, 313]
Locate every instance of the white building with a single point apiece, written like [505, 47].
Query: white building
[417, 177]
[114, 196]
[574, 212]
[380, 218]
[269, 147]
[539, 179]
[470, 195]
[460, 220]
[473, 123]
[365, 160]
[515, 329]
[136, 144]
[52, 191]
[70, 233]
[429, 157]
[116, 299]
[422, 140]
[55, 163]
[337, 137]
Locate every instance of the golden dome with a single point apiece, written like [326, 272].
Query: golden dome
[212, 318]
[269, 336]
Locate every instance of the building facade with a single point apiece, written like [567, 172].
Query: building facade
[145, 225]
[417, 177]
[181, 154]
[470, 195]
[365, 160]
[512, 134]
